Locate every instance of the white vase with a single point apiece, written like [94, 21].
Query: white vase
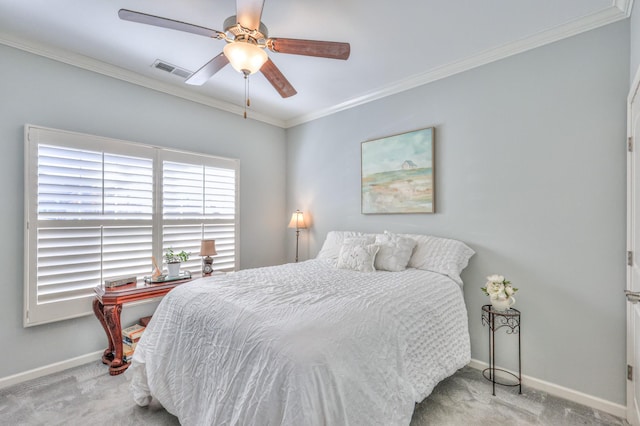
[503, 304]
[174, 269]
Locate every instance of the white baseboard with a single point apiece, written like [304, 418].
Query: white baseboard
[49, 369]
[566, 393]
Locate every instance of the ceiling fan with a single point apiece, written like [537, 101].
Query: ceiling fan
[247, 38]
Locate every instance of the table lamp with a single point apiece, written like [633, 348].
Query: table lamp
[208, 249]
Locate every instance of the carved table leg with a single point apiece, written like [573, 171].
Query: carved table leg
[107, 356]
[112, 317]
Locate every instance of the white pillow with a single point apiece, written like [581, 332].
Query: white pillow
[441, 255]
[395, 252]
[363, 240]
[333, 242]
[358, 257]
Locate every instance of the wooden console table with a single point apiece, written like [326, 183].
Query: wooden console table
[108, 305]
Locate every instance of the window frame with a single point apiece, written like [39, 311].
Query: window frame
[36, 314]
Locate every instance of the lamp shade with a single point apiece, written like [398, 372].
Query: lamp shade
[208, 248]
[297, 220]
[245, 57]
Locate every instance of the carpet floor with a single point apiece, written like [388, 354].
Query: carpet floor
[87, 395]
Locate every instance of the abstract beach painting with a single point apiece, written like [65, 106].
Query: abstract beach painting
[397, 173]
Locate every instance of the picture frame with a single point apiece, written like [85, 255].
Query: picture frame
[398, 173]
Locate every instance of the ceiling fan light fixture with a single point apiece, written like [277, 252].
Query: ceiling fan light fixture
[247, 40]
[245, 57]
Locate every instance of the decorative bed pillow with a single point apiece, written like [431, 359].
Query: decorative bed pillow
[395, 252]
[357, 256]
[361, 240]
[441, 255]
[333, 242]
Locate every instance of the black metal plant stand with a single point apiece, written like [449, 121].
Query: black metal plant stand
[509, 319]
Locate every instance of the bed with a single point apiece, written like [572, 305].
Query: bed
[327, 341]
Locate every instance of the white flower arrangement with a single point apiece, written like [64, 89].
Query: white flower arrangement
[498, 288]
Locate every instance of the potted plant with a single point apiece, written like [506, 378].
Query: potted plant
[500, 292]
[174, 260]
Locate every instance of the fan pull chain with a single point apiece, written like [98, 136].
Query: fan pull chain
[246, 94]
[248, 98]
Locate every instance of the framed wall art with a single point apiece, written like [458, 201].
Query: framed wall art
[398, 173]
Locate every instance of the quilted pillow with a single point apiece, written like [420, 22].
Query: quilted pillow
[358, 257]
[361, 240]
[333, 242]
[442, 255]
[395, 252]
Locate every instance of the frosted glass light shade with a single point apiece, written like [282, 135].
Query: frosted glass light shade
[245, 57]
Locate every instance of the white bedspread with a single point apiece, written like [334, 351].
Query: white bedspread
[301, 344]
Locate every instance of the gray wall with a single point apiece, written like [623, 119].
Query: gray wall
[530, 170]
[48, 93]
[635, 42]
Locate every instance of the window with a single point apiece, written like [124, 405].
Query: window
[97, 208]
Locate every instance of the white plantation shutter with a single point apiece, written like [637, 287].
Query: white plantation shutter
[220, 189]
[69, 183]
[225, 236]
[89, 205]
[126, 250]
[68, 263]
[199, 202]
[128, 187]
[71, 261]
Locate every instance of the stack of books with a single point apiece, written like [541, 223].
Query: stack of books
[120, 281]
[130, 337]
[127, 353]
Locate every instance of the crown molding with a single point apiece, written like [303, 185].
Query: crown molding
[90, 64]
[617, 12]
[624, 6]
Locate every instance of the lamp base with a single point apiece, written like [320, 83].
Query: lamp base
[207, 266]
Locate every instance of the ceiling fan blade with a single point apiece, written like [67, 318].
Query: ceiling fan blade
[143, 18]
[322, 49]
[277, 79]
[248, 13]
[201, 76]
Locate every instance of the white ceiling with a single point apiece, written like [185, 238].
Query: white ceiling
[395, 45]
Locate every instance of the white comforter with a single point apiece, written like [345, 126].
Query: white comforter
[301, 344]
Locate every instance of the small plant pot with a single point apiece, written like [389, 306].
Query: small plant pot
[503, 304]
[174, 269]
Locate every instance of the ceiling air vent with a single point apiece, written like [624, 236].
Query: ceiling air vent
[172, 69]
